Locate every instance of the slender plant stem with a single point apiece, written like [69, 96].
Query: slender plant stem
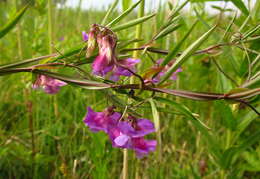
[125, 164]
[138, 33]
[50, 31]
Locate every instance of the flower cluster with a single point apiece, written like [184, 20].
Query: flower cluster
[124, 132]
[107, 61]
[128, 133]
[49, 85]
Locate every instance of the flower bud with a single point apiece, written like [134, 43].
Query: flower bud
[91, 41]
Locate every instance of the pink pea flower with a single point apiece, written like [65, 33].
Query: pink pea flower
[100, 121]
[92, 42]
[123, 134]
[49, 85]
[119, 69]
[104, 62]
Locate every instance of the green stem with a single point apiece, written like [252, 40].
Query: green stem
[138, 34]
[50, 35]
[125, 164]
[50, 30]
[138, 30]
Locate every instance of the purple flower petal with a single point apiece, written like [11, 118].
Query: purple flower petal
[101, 65]
[97, 121]
[121, 140]
[84, 36]
[126, 128]
[143, 147]
[119, 70]
[50, 85]
[144, 127]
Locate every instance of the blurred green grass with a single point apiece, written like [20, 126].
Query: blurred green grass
[65, 148]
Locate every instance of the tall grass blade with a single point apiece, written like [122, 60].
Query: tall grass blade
[251, 32]
[25, 62]
[229, 26]
[132, 23]
[124, 14]
[110, 10]
[174, 12]
[167, 31]
[11, 24]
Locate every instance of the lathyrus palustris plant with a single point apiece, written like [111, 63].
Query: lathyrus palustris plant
[110, 61]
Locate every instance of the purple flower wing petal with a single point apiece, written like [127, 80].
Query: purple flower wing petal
[96, 121]
[143, 147]
[144, 127]
[126, 128]
[121, 140]
[115, 116]
[101, 65]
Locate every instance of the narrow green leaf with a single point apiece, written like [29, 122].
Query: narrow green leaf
[222, 9]
[156, 120]
[156, 116]
[111, 9]
[170, 5]
[255, 11]
[69, 79]
[240, 5]
[132, 23]
[229, 26]
[25, 62]
[170, 22]
[10, 25]
[125, 43]
[186, 54]
[174, 12]
[167, 31]
[175, 50]
[244, 24]
[124, 14]
[251, 32]
[70, 52]
[251, 39]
